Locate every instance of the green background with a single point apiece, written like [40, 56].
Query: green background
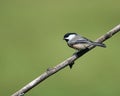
[31, 40]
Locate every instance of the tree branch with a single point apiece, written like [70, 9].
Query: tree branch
[51, 71]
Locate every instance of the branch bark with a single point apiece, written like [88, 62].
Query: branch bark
[51, 71]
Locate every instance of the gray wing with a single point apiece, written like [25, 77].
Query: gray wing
[81, 40]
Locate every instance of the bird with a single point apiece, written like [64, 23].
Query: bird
[79, 42]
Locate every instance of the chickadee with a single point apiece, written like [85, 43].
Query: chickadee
[78, 42]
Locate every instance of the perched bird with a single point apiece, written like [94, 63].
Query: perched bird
[79, 42]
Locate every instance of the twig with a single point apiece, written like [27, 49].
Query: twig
[51, 71]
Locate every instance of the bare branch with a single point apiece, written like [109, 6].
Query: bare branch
[51, 71]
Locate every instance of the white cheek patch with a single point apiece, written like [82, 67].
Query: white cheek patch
[70, 37]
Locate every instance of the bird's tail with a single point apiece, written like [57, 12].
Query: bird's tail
[99, 44]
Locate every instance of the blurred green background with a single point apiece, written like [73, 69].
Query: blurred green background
[31, 40]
